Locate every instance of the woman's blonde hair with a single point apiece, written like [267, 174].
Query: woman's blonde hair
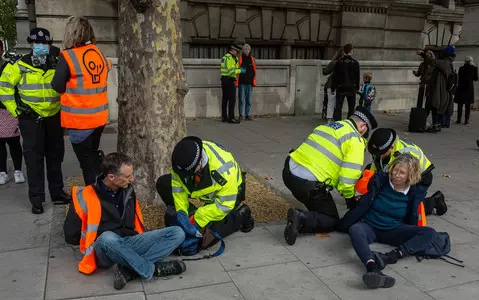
[412, 163]
[78, 31]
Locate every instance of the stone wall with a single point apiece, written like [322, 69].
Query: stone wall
[286, 87]
[286, 29]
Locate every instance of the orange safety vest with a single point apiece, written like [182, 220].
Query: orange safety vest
[254, 68]
[84, 105]
[362, 188]
[88, 208]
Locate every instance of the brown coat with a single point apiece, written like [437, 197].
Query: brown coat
[439, 97]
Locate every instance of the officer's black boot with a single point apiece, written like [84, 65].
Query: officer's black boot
[293, 227]
[62, 199]
[441, 207]
[247, 220]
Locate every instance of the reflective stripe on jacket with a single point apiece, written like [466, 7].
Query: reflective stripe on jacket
[334, 153]
[400, 147]
[88, 208]
[85, 102]
[229, 66]
[219, 199]
[254, 68]
[34, 87]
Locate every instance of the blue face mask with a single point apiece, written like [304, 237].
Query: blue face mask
[40, 49]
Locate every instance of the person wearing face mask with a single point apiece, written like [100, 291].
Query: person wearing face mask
[81, 79]
[385, 146]
[331, 157]
[38, 112]
[205, 171]
[388, 214]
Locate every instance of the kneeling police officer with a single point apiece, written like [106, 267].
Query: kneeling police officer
[205, 171]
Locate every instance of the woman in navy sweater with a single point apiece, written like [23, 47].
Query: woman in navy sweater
[388, 214]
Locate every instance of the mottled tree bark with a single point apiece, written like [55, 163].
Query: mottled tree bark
[151, 90]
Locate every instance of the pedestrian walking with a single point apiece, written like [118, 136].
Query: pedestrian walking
[465, 89]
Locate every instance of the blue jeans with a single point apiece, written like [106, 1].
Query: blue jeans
[138, 252]
[410, 239]
[244, 94]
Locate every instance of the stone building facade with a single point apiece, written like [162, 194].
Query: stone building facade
[286, 29]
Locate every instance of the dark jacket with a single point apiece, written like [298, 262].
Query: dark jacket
[465, 88]
[346, 75]
[328, 71]
[247, 64]
[111, 220]
[416, 195]
[439, 96]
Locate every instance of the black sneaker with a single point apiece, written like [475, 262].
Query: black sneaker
[292, 227]
[37, 209]
[377, 279]
[63, 199]
[169, 268]
[122, 276]
[248, 118]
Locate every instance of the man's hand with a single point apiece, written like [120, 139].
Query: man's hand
[243, 70]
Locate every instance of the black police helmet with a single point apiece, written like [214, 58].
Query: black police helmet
[187, 155]
[381, 141]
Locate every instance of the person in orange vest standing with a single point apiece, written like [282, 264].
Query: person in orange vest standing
[105, 220]
[81, 79]
[246, 82]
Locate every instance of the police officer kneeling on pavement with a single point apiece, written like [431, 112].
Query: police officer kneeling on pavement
[331, 157]
[205, 171]
[105, 220]
[38, 112]
[385, 146]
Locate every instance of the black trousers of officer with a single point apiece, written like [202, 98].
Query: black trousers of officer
[87, 154]
[43, 140]
[228, 99]
[322, 214]
[229, 225]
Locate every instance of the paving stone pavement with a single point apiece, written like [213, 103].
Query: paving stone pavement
[35, 263]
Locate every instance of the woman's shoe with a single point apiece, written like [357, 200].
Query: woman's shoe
[19, 178]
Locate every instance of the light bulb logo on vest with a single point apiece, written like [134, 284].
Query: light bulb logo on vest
[94, 64]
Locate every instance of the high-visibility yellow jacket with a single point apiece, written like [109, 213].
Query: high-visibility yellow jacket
[229, 66]
[334, 153]
[34, 87]
[220, 197]
[400, 147]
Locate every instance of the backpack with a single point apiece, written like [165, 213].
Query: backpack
[439, 246]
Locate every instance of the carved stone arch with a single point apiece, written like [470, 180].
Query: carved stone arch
[255, 26]
[201, 24]
[303, 26]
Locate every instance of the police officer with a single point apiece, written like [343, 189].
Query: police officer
[229, 72]
[384, 145]
[38, 111]
[205, 171]
[331, 157]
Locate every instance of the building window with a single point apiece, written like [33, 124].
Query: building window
[307, 52]
[217, 51]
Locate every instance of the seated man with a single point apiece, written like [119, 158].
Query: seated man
[388, 214]
[205, 171]
[331, 157]
[384, 145]
[109, 210]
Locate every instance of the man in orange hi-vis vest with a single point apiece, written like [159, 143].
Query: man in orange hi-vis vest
[246, 82]
[81, 79]
[106, 221]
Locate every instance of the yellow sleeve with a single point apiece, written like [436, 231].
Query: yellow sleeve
[180, 195]
[351, 169]
[8, 81]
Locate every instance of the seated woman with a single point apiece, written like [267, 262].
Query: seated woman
[388, 214]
